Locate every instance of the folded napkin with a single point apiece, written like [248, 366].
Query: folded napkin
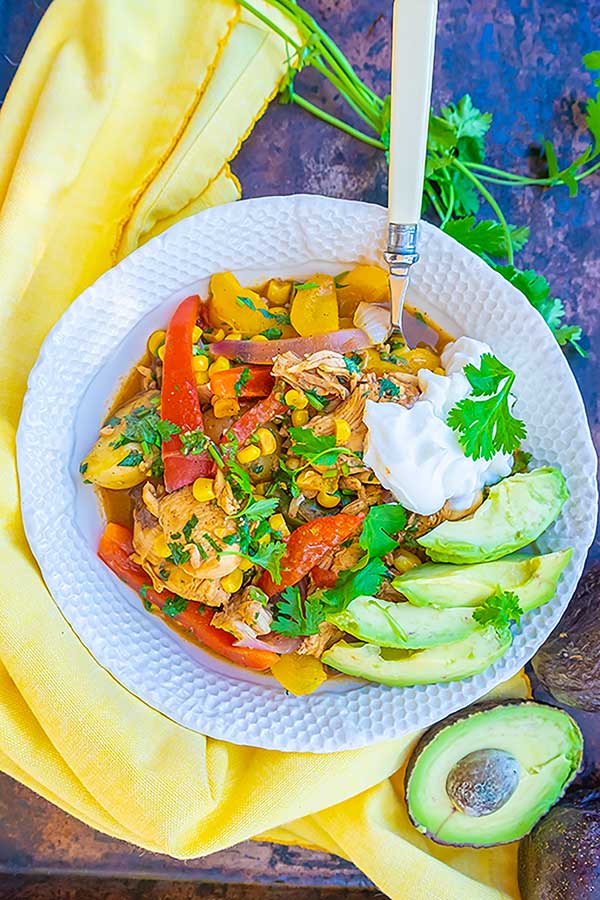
[121, 120]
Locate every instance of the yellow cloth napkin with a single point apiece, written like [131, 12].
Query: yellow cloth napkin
[122, 119]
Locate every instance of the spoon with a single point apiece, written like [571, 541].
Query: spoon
[413, 46]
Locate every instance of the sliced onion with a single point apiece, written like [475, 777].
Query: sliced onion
[275, 643]
[374, 320]
[346, 341]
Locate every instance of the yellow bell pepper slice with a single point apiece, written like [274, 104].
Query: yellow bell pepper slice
[226, 307]
[299, 674]
[364, 283]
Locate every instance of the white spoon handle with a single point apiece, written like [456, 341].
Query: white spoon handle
[413, 44]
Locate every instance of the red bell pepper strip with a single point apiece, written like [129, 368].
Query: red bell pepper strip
[323, 578]
[242, 381]
[261, 413]
[307, 545]
[115, 550]
[179, 402]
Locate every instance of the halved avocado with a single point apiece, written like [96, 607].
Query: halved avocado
[486, 775]
[532, 578]
[403, 625]
[399, 668]
[516, 512]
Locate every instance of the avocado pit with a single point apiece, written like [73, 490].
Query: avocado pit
[483, 781]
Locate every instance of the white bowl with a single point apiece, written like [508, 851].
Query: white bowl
[101, 336]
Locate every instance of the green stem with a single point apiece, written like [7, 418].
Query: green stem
[270, 24]
[434, 200]
[493, 203]
[450, 205]
[338, 123]
[589, 171]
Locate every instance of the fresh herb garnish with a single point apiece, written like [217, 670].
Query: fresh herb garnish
[258, 510]
[339, 279]
[157, 469]
[306, 285]
[272, 334]
[353, 363]
[457, 178]
[163, 573]
[268, 556]
[242, 381]
[112, 422]
[147, 605]
[298, 618]
[316, 448]
[356, 583]
[387, 388]
[178, 555]
[174, 605]
[83, 468]
[499, 610]
[487, 426]
[145, 427]
[133, 458]
[189, 527]
[144, 591]
[247, 301]
[193, 442]
[258, 595]
[521, 460]
[315, 399]
[381, 523]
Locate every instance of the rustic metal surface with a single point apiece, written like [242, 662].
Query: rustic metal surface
[520, 59]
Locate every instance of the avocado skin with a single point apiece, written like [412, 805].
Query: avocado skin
[568, 664]
[433, 733]
[560, 858]
[504, 522]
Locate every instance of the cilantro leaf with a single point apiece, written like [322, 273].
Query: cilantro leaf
[258, 510]
[298, 618]
[144, 426]
[315, 399]
[268, 557]
[193, 442]
[272, 334]
[487, 426]
[388, 388]
[144, 591]
[353, 363]
[316, 448]
[174, 605]
[242, 381]
[133, 458]
[471, 126]
[499, 610]
[355, 583]
[486, 238]
[306, 285]
[381, 523]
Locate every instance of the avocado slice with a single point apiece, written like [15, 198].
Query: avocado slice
[514, 514]
[403, 625]
[399, 668]
[486, 775]
[532, 578]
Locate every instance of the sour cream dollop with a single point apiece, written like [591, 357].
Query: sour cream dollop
[415, 455]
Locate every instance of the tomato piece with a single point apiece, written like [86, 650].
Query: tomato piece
[307, 545]
[323, 577]
[115, 550]
[179, 402]
[261, 413]
[242, 381]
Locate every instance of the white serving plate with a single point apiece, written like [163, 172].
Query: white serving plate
[101, 336]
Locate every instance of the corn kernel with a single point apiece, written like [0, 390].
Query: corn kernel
[221, 531]
[259, 337]
[224, 407]
[265, 539]
[233, 336]
[327, 500]
[161, 352]
[405, 560]
[160, 547]
[200, 363]
[232, 582]
[196, 334]
[296, 399]
[221, 364]
[248, 454]
[342, 432]
[203, 490]
[266, 440]
[155, 340]
[299, 417]
[278, 523]
[202, 378]
[246, 565]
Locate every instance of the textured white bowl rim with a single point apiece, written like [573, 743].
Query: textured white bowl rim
[291, 235]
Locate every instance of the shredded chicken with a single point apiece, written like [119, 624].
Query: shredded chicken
[351, 410]
[418, 525]
[345, 558]
[244, 617]
[324, 371]
[150, 498]
[408, 389]
[316, 644]
[224, 494]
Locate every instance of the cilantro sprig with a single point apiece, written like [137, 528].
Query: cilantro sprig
[317, 449]
[298, 618]
[499, 610]
[458, 178]
[486, 425]
[381, 523]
